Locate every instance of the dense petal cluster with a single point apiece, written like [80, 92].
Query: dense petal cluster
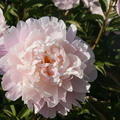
[3, 28]
[66, 4]
[54, 66]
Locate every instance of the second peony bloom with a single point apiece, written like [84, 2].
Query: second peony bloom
[66, 4]
[46, 65]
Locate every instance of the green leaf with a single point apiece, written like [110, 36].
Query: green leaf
[7, 112]
[37, 5]
[13, 110]
[25, 112]
[104, 5]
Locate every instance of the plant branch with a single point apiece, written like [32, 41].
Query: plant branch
[103, 25]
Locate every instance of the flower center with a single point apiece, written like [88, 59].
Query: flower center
[48, 63]
[47, 59]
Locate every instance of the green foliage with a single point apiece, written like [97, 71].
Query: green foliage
[103, 101]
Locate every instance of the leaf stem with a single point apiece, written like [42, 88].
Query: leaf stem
[103, 25]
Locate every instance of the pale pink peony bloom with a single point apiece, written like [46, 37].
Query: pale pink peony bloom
[3, 28]
[47, 66]
[118, 7]
[95, 7]
[66, 4]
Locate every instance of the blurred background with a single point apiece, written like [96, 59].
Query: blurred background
[103, 101]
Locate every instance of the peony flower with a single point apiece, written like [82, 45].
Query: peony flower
[94, 6]
[118, 7]
[3, 28]
[47, 66]
[66, 4]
